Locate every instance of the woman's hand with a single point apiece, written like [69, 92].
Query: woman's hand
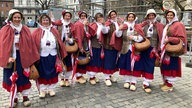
[86, 22]
[166, 41]
[11, 60]
[121, 27]
[82, 50]
[103, 21]
[130, 37]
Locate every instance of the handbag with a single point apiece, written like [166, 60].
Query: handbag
[177, 49]
[142, 46]
[83, 59]
[34, 73]
[71, 47]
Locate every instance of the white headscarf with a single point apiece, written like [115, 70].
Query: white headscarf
[16, 27]
[130, 25]
[65, 29]
[168, 24]
[99, 28]
[151, 22]
[16, 36]
[116, 23]
[167, 58]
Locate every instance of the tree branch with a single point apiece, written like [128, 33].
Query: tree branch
[39, 1]
[182, 1]
[49, 2]
[157, 3]
[179, 5]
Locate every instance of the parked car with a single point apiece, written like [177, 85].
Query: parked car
[31, 23]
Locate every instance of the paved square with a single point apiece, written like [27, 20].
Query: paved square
[101, 96]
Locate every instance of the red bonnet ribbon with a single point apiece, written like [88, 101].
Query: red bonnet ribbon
[166, 59]
[26, 72]
[154, 53]
[112, 41]
[58, 65]
[13, 79]
[74, 68]
[134, 57]
[89, 41]
[162, 53]
[90, 47]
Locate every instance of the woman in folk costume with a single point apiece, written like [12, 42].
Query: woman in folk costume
[66, 29]
[51, 51]
[17, 46]
[153, 31]
[82, 32]
[95, 64]
[171, 63]
[112, 42]
[130, 63]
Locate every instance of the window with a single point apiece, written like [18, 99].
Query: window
[2, 5]
[7, 5]
[37, 11]
[11, 5]
[28, 11]
[7, 12]
[2, 13]
[28, 2]
[20, 2]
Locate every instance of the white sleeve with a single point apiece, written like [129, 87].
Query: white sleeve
[118, 33]
[138, 38]
[54, 26]
[105, 29]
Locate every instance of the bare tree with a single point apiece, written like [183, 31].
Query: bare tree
[44, 3]
[182, 8]
[178, 4]
[155, 3]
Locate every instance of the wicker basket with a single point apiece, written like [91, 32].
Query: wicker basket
[142, 46]
[177, 49]
[83, 60]
[71, 48]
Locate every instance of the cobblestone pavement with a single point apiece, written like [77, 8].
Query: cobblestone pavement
[101, 96]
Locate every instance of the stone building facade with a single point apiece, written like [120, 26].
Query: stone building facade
[29, 8]
[5, 6]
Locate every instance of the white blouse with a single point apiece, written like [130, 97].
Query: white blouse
[17, 29]
[48, 44]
